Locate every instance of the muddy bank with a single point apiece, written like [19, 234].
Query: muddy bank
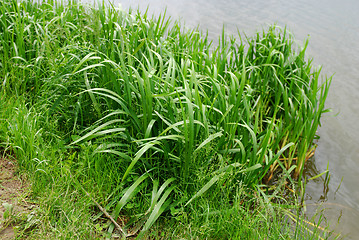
[13, 193]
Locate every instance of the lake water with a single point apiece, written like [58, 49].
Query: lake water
[333, 28]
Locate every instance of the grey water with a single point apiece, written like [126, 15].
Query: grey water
[332, 27]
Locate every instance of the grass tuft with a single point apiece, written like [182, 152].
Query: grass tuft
[154, 122]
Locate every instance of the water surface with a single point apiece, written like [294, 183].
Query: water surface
[333, 29]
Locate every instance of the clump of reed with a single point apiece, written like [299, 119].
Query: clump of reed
[145, 106]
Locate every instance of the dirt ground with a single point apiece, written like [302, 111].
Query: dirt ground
[13, 191]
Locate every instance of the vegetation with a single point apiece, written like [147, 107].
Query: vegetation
[118, 116]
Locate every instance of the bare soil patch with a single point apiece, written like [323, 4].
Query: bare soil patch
[13, 193]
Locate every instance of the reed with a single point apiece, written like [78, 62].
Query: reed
[146, 103]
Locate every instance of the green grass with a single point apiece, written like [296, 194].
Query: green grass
[172, 135]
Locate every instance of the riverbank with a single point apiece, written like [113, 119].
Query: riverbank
[130, 127]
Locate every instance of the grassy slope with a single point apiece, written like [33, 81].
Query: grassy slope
[165, 131]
